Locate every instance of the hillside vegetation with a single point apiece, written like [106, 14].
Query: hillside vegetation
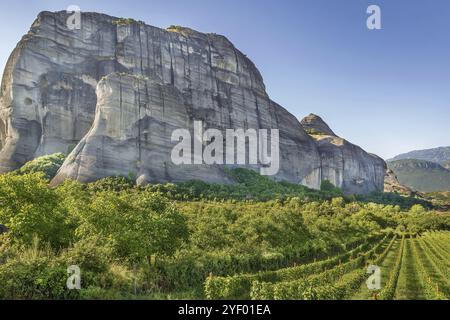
[256, 239]
[421, 175]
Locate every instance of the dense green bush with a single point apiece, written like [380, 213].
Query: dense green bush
[395, 199]
[136, 225]
[37, 272]
[48, 165]
[111, 184]
[327, 187]
[34, 277]
[29, 208]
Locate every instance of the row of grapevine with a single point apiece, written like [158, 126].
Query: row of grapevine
[430, 288]
[437, 251]
[441, 241]
[441, 244]
[238, 286]
[190, 270]
[350, 282]
[387, 293]
[346, 278]
[441, 266]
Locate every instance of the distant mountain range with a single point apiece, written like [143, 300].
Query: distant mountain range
[439, 155]
[423, 170]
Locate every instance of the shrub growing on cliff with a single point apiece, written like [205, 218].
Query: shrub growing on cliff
[329, 188]
[48, 165]
[124, 21]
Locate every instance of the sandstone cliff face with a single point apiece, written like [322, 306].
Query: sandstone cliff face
[111, 93]
[342, 163]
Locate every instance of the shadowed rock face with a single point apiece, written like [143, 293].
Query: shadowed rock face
[114, 91]
[342, 163]
[131, 135]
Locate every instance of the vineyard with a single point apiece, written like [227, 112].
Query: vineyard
[412, 267]
[260, 239]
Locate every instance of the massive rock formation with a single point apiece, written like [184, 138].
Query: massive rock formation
[391, 184]
[342, 163]
[112, 92]
[131, 135]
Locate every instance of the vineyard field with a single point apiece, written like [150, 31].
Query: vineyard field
[260, 240]
[412, 267]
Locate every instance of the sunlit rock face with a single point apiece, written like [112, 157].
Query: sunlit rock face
[391, 184]
[342, 163]
[110, 93]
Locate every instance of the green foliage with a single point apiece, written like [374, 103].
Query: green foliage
[111, 184]
[249, 185]
[34, 276]
[389, 289]
[29, 208]
[327, 187]
[175, 27]
[124, 22]
[335, 283]
[252, 186]
[49, 165]
[164, 240]
[439, 200]
[393, 199]
[132, 176]
[239, 286]
[37, 272]
[421, 175]
[136, 225]
[428, 285]
[180, 29]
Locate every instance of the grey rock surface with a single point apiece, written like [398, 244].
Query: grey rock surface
[131, 134]
[391, 184]
[343, 163]
[111, 93]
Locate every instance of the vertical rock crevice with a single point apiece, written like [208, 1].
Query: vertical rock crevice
[186, 75]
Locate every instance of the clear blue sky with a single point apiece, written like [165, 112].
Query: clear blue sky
[387, 91]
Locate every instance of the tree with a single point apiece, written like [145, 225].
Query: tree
[135, 224]
[48, 164]
[29, 208]
[327, 187]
